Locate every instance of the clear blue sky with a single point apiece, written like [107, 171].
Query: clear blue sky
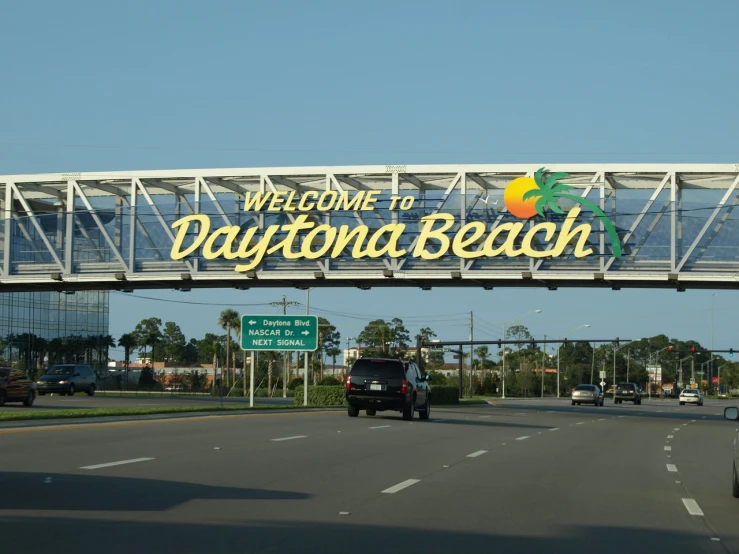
[90, 86]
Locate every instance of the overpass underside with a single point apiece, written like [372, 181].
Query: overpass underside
[675, 224]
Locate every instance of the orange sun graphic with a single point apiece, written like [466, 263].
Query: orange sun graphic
[513, 197]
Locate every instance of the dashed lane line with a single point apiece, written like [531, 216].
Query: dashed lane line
[120, 463]
[522, 438]
[692, 507]
[476, 454]
[672, 468]
[290, 438]
[380, 427]
[400, 486]
[668, 448]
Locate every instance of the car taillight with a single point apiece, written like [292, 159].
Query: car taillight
[404, 387]
[349, 382]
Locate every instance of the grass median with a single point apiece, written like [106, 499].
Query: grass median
[25, 414]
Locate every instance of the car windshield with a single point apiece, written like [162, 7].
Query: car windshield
[377, 368]
[61, 370]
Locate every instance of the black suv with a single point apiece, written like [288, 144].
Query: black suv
[627, 391]
[379, 384]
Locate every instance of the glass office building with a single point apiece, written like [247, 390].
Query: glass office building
[40, 328]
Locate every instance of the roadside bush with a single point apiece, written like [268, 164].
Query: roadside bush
[441, 396]
[322, 396]
[329, 382]
[297, 382]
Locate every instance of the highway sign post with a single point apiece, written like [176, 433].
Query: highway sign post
[288, 333]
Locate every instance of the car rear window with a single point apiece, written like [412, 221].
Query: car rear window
[585, 387]
[378, 368]
[625, 387]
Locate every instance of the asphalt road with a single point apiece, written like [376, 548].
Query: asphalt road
[82, 401]
[528, 476]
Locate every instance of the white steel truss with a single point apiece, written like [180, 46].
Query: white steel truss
[113, 230]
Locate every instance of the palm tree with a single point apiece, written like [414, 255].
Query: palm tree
[128, 343]
[548, 190]
[229, 319]
[482, 354]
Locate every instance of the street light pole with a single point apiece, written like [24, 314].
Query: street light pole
[305, 354]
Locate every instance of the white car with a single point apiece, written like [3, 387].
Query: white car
[691, 396]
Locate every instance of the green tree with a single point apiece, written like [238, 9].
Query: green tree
[227, 320]
[173, 342]
[385, 338]
[128, 342]
[190, 354]
[148, 333]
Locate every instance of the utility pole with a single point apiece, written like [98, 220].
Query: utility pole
[543, 366]
[284, 303]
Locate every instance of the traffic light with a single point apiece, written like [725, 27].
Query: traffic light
[565, 342]
[618, 342]
[692, 349]
[669, 348]
[499, 343]
[731, 352]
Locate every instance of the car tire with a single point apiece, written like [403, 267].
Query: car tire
[573, 402]
[71, 391]
[352, 411]
[734, 482]
[91, 392]
[371, 412]
[426, 411]
[408, 412]
[29, 399]
[682, 403]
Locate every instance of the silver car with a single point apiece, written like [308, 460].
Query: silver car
[732, 414]
[587, 394]
[691, 396]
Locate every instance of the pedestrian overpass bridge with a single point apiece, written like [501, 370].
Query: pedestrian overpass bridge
[592, 225]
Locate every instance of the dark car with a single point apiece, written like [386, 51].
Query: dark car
[67, 379]
[380, 384]
[15, 386]
[630, 392]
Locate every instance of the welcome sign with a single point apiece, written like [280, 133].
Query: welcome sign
[308, 237]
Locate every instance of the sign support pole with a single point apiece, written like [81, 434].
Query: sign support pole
[251, 381]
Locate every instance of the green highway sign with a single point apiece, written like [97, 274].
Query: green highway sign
[279, 332]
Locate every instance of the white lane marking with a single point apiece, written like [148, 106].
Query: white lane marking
[668, 448]
[554, 429]
[685, 424]
[692, 421]
[622, 416]
[343, 513]
[672, 468]
[520, 413]
[522, 438]
[476, 454]
[676, 429]
[580, 423]
[551, 412]
[122, 462]
[704, 417]
[716, 539]
[660, 411]
[400, 486]
[601, 420]
[717, 413]
[692, 507]
[290, 438]
[380, 427]
[483, 416]
[670, 436]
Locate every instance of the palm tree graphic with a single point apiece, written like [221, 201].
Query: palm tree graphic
[549, 190]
